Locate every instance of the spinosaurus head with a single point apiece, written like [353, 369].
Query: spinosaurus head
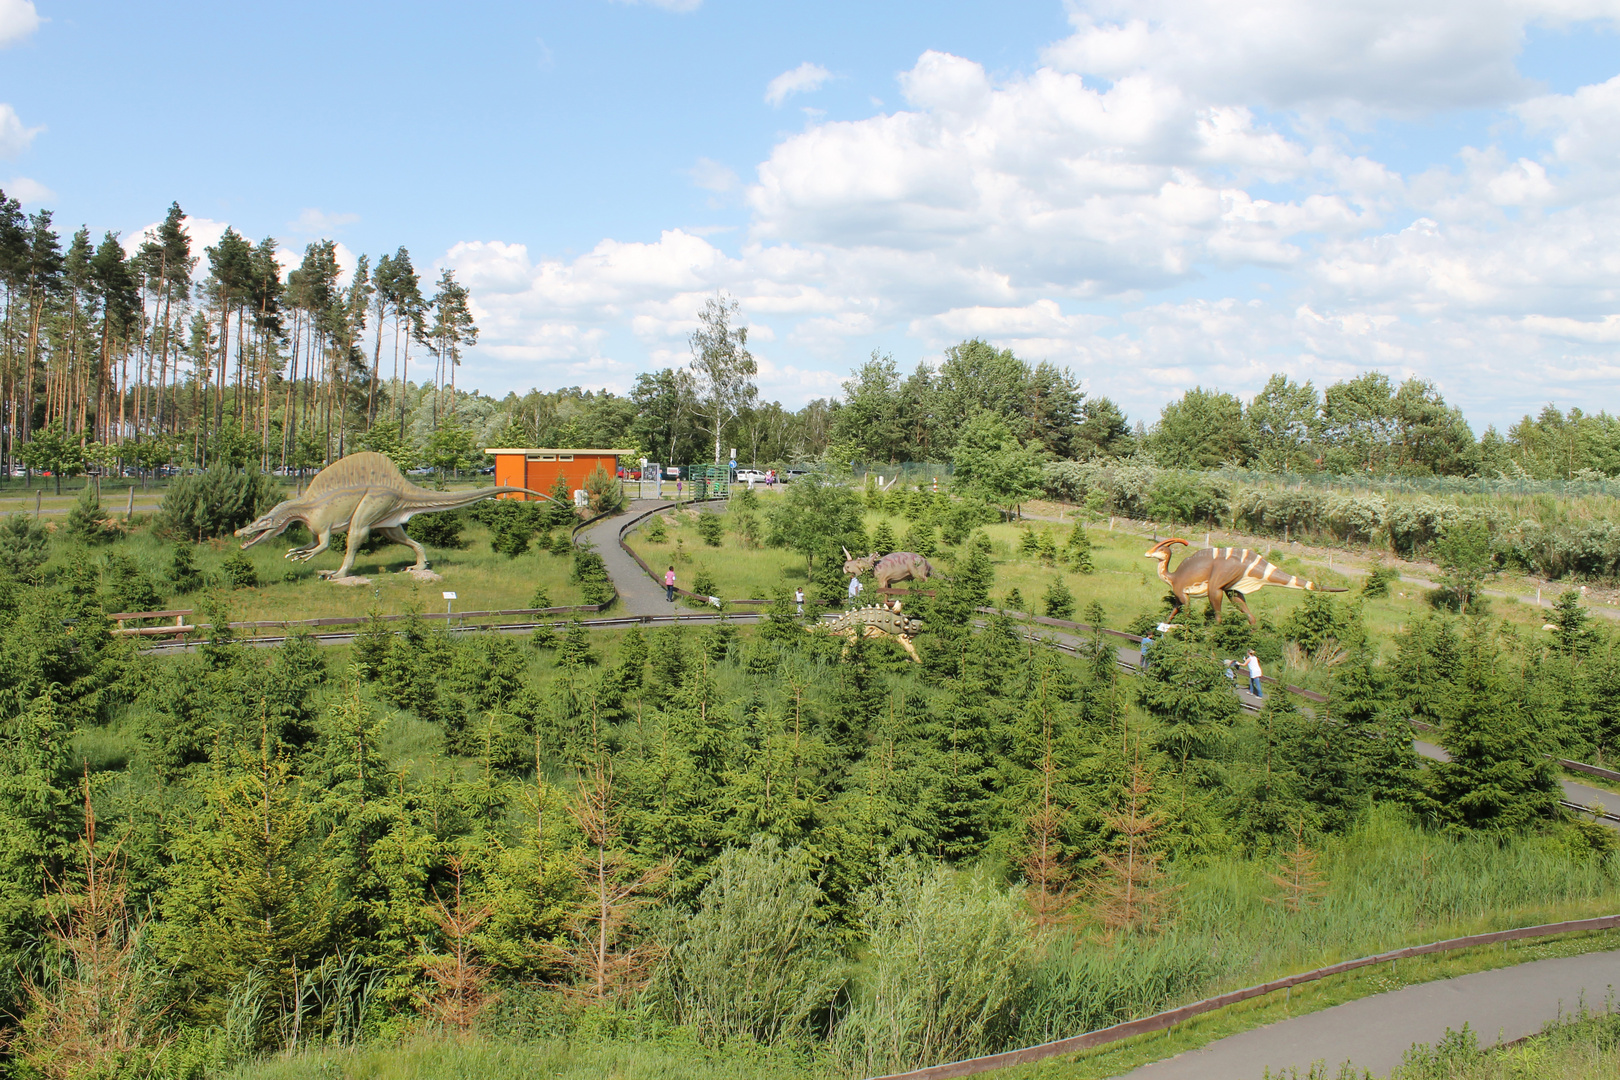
[273, 523]
[1161, 551]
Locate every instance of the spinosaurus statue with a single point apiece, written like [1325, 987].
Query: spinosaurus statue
[363, 493]
[1222, 572]
[876, 620]
[888, 569]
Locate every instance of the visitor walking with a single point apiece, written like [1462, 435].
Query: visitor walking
[1252, 662]
[798, 598]
[1147, 641]
[669, 585]
[855, 588]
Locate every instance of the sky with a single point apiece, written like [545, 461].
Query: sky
[1155, 194]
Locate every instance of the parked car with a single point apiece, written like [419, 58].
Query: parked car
[746, 475]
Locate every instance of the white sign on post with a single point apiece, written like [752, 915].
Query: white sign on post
[449, 596]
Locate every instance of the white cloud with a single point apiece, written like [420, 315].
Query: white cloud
[29, 192]
[313, 222]
[803, 79]
[713, 176]
[14, 138]
[678, 6]
[1384, 55]
[18, 19]
[1049, 211]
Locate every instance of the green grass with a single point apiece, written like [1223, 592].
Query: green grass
[1125, 583]
[482, 579]
[425, 1058]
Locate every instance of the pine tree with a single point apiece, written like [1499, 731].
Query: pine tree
[372, 646]
[605, 954]
[1047, 549]
[575, 651]
[1298, 877]
[249, 896]
[459, 991]
[85, 523]
[96, 1016]
[1078, 550]
[1129, 890]
[1058, 601]
[883, 538]
[1497, 778]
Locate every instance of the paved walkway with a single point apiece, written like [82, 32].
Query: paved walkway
[1375, 1032]
[638, 594]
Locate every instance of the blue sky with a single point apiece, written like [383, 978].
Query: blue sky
[1156, 194]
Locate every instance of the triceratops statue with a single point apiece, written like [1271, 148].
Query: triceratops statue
[888, 569]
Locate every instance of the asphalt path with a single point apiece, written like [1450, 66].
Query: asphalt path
[1375, 1032]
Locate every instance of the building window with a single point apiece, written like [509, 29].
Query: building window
[565, 457]
[543, 457]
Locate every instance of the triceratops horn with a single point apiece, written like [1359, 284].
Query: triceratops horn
[847, 555]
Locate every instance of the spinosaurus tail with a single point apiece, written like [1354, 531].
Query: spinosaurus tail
[434, 501]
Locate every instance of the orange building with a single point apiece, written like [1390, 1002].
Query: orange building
[537, 470]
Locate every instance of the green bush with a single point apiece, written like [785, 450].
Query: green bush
[710, 527]
[590, 574]
[946, 965]
[1379, 580]
[200, 506]
[755, 961]
[1058, 602]
[442, 530]
[183, 572]
[540, 598]
[239, 571]
[656, 533]
[25, 545]
[1078, 550]
[126, 588]
[603, 492]
[85, 523]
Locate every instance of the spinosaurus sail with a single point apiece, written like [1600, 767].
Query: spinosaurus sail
[1222, 572]
[361, 494]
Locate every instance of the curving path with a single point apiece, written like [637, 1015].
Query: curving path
[1375, 1032]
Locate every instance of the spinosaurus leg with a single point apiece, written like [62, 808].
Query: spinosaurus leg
[398, 535]
[358, 535]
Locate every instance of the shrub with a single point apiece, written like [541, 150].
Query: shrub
[511, 538]
[559, 510]
[85, 523]
[703, 582]
[883, 538]
[603, 492]
[711, 529]
[1079, 550]
[540, 598]
[441, 530]
[920, 539]
[126, 588]
[590, 574]
[239, 571]
[755, 961]
[656, 533]
[1379, 580]
[200, 506]
[25, 545]
[575, 650]
[1058, 601]
[183, 572]
[1029, 545]
[746, 499]
[946, 966]
[372, 646]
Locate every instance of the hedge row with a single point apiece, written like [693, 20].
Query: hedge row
[1554, 549]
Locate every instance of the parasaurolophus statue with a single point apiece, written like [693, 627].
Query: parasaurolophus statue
[362, 494]
[1218, 572]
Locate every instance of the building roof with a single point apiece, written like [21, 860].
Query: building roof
[560, 450]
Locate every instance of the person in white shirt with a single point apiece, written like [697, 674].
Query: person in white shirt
[855, 588]
[1252, 662]
[798, 598]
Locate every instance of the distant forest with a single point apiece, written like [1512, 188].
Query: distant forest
[118, 357]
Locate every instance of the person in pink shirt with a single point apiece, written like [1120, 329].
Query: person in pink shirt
[669, 585]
